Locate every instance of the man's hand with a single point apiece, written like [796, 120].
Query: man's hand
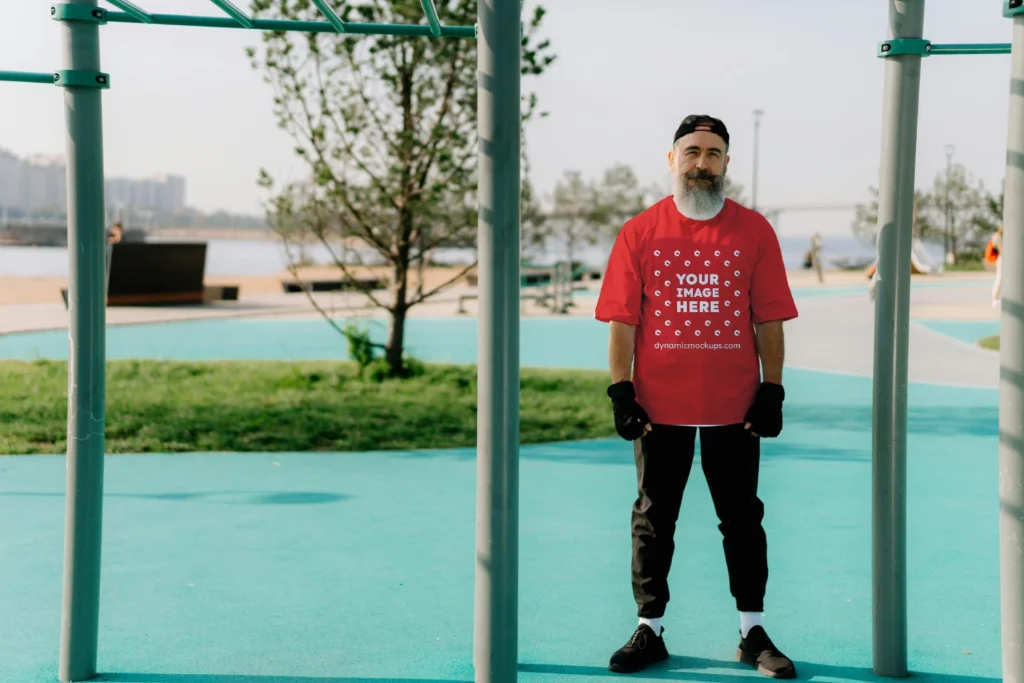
[631, 420]
[764, 418]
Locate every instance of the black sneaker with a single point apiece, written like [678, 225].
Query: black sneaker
[758, 651]
[643, 649]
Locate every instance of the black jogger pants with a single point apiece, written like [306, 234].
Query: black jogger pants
[730, 457]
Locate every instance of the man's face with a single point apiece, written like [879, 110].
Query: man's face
[700, 157]
[698, 163]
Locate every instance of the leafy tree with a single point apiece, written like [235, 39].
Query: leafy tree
[534, 228]
[973, 213]
[865, 220]
[992, 216]
[585, 211]
[967, 207]
[576, 217]
[386, 126]
[620, 193]
[734, 191]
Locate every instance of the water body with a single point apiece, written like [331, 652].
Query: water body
[267, 257]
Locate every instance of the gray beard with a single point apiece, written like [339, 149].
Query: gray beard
[697, 203]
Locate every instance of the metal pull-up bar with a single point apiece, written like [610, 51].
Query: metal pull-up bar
[925, 48]
[133, 14]
[499, 31]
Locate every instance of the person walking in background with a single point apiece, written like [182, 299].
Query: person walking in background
[695, 294]
[994, 250]
[114, 235]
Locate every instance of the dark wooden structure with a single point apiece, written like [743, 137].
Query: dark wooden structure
[159, 274]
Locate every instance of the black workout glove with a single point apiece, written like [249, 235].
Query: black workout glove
[765, 415]
[630, 418]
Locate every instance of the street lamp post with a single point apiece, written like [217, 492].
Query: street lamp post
[757, 144]
[948, 231]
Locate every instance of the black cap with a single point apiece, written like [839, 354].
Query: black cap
[696, 122]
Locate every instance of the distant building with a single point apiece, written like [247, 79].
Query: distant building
[38, 184]
[10, 180]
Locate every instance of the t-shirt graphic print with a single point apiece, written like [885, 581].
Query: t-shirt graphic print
[694, 289]
[704, 297]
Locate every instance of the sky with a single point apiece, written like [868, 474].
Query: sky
[187, 101]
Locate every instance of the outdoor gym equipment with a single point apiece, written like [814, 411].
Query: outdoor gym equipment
[498, 33]
[499, 55]
[903, 52]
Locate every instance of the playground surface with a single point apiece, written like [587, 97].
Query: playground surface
[343, 567]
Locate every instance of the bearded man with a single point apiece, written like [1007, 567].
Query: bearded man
[695, 294]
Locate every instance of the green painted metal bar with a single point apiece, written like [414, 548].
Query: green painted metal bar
[332, 16]
[970, 49]
[137, 12]
[431, 12]
[26, 77]
[303, 26]
[238, 15]
[900, 106]
[1011, 370]
[499, 124]
[83, 115]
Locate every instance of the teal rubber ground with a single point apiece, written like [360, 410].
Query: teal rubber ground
[969, 331]
[303, 568]
[312, 568]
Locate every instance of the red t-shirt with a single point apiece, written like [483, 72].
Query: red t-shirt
[694, 289]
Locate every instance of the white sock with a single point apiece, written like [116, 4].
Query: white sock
[655, 624]
[749, 620]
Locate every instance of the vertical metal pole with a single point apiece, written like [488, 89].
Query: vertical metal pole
[1011, 382]
[892, 312]
[757, 151]
[86, 349]
[497, 525]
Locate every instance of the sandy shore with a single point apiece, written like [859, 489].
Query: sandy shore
[35, 303]
[47, 289]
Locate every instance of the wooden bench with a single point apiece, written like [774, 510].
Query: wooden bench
[156, 274]
[339, 285]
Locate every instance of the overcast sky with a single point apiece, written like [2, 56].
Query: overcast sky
[627, 72]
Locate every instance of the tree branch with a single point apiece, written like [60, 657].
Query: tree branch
[423, 297]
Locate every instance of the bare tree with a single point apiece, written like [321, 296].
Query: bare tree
[387, 127]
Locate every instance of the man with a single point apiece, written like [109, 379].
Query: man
[996, 247]
[695, 294]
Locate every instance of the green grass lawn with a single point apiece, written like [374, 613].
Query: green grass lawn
[156, 406]
[990, 343]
